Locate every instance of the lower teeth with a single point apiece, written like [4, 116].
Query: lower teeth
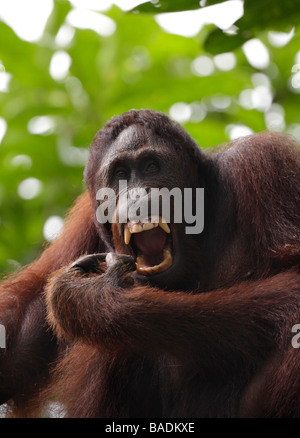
[165, 264]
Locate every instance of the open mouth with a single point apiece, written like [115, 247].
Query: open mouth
[151, 243]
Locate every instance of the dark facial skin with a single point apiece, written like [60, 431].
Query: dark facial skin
[140, 159]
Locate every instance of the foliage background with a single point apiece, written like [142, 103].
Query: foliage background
[139, 65]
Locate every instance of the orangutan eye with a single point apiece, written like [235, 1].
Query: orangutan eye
[121, 173]
[151, 168]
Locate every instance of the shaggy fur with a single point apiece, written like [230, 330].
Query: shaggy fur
[210, 337]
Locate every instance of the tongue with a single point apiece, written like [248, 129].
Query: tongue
[152, 242]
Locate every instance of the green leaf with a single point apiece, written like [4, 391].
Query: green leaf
[269, 14]
[167, 6]
[258, 17]
[57, 18]
[218, 42]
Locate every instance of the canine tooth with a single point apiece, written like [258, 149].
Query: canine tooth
[127, 235]
[165, 227]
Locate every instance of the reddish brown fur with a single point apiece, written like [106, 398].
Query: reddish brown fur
[222, 349]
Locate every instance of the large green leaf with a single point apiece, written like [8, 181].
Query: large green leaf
[258, 16]
[167, 6]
